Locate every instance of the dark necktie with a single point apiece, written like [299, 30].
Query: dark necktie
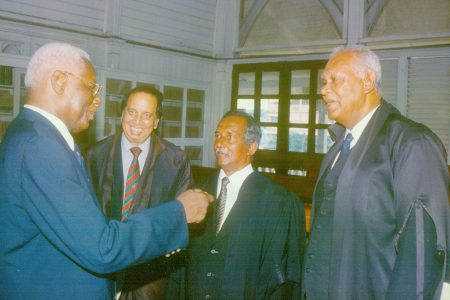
[222, 201]
[345, 149]
[133, 176]
[80, 158]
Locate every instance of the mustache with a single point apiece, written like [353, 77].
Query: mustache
[220, 150]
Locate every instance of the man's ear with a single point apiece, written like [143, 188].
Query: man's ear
[59, 81]
[369, 81]
[155, 124]
[252, 148]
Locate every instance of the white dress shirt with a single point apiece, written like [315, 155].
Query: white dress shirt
[357, 130]
[236, 181]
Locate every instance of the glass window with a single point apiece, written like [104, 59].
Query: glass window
[194, 113]
[116, 91]
[270, 83]
[298, 139]
[300, 81]
[269, 138]
[299, 111]
[319, 81]
[269, 110]
[321, 113]
[6, 90]
[247, 105]
[323, 141]
[172, 111]
[246, 84]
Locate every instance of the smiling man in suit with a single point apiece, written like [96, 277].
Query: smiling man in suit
[55, 242]
[251, 244]
[164, 174]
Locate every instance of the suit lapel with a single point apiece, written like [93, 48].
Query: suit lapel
[240, 209]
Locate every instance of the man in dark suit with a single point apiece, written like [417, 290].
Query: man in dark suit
[380, 216]
[251, 244]
[165, 173]
[55, 242]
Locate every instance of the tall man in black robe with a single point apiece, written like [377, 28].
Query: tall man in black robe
[380, 216]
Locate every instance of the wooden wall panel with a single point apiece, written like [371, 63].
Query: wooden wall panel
[84, 16]
[183, 25]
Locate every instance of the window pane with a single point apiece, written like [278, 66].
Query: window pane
[323, 141]
[319, 81]
[116, 91]
[173, 93]
[299, 111]
[269, 138]
[269, 110]
[171, 129]
[247, 105]
[172, 111]
[194, 116]
[246, 84]
[194, 153]
[6, 90]
[23, 90]
[300, 82]
[298, 139]
[321, 113]
[156, 86]
[270, 83]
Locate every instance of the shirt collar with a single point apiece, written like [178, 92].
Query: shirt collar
[126, 144]
[237, 177]
[58, 123]
[358, 129]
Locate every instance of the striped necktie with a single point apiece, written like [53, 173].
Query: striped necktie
[133, 176]
[222, 201]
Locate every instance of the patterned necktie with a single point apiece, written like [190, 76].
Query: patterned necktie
[222, 201]
[132, 182]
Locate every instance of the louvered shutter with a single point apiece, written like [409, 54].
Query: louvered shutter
[429, 94]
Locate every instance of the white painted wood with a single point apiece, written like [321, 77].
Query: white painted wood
[355, 18]
[226, 28]
[70, 15]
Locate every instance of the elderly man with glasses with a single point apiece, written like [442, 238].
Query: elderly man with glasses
[55, 242]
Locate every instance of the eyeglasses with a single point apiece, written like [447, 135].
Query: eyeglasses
[93, 86]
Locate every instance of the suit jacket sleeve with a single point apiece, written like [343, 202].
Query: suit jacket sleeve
[61, 203]
[421, 189]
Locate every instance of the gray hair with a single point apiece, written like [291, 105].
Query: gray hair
[51, 57]
[368, 59]
[253, 130]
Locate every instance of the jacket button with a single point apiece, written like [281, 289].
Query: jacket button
[214, 251]
[210, 274]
